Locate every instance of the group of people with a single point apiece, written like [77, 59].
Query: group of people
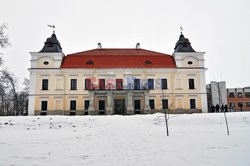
[218, 108]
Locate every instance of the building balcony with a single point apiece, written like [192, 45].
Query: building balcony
[120, 88]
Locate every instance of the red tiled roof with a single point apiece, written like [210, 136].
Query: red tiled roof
[118, 58]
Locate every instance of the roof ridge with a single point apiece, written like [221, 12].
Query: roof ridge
[117, 49]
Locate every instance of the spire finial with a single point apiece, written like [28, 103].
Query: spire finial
[52, 26]
[181, 28]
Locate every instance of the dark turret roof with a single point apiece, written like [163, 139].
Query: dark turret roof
[52, 45]
[183, 45]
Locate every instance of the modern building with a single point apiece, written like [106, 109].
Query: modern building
[216, 94]
[239, 99]
[116, 80]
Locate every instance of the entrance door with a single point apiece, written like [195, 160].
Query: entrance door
[101, 106]
[119, 106]
[137, 106]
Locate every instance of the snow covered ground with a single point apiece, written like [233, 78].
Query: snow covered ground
[195, 139]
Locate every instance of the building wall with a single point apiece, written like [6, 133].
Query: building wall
[59, 86]
[59, 94]
[217, 93]
[237, 98]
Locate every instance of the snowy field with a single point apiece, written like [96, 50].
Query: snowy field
[195, 139]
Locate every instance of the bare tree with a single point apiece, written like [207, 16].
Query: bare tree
[9, 97]
[220, 102]
[23, 98]
[2, 98]
[166, 112]
[9, 92]
[4, 95]
[4, 39]
[4, 42]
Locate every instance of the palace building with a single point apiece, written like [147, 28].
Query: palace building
[116, 80]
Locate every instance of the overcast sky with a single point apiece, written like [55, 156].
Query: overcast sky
[221, 28]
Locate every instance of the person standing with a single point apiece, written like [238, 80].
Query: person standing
[212, 108]
[226, 109]
[217, 107]
[222, 108]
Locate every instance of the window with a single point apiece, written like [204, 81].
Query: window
[72, 107]
[191, 83]
[164, 84]
[231, 95]
[190, 62]
[101, 106]
[152, 103]
[44, 108]
[119, 84]
[248, 104]
[101, 84]
[240, 104]
[240, 94]
[137, 105]
[73, 84]
[90, 62]
[45, 84]
[164, 103]
[88, 84]
[45, 62]
[72, 104]
[148, 62]
[150, 83]
[192, 104]
[247, 94]
[136, 83]
[86, 104]
[232, 104]
[44, 105]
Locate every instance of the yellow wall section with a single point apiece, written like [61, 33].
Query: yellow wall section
[59, 93]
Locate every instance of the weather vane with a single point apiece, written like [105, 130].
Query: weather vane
[52, 26]
[181, 28]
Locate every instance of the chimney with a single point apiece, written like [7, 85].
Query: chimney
[138, 46]
[99, 45]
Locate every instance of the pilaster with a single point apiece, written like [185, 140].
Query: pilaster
[130, 109]
[146, 106]
[109, 109]
[91, 110]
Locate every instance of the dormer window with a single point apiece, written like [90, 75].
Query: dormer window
[148, 62]
[45, 62]
[90, 62]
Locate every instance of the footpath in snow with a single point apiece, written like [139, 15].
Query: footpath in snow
[195, 139]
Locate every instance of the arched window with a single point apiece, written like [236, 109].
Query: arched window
[148, 62]
[90, 62]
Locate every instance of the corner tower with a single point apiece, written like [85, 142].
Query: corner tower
[43, 63]
[192, 62]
